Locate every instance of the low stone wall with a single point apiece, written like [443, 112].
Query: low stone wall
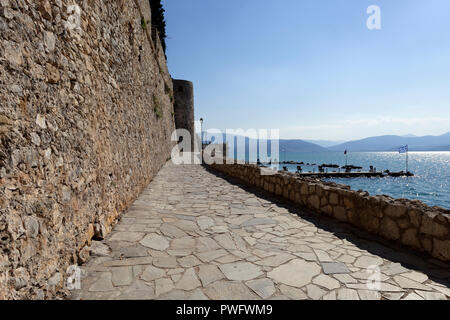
[409, 222]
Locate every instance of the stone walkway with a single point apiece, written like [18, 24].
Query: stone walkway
[195, 235]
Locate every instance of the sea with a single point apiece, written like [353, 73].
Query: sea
[430, 184]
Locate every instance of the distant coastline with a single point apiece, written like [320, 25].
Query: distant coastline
[387, 143]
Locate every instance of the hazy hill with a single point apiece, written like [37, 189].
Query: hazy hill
[392, 143]
[326, 143]
[284, 145]
[300, 146]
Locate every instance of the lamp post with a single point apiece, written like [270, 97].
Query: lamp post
[201, 130]
[201, 144]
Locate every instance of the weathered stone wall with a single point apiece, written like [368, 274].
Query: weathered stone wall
[184, 106]
[86, 117]
[409, 222]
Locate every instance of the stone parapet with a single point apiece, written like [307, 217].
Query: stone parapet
[408, 222]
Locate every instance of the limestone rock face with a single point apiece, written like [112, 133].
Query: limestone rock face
[85, 125]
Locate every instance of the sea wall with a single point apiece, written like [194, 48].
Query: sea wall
[86, 117]
[408, 222]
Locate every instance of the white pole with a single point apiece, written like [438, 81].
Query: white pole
[407, 158]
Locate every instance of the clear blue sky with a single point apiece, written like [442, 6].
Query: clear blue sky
[312, 68]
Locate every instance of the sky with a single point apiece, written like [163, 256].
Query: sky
[313, 69]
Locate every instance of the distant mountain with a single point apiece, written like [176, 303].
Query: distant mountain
[284, 145]
[409, 135]
[326, 143]
[392, 143]
[300, 146]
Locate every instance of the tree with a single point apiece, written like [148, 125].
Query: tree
[158, 21]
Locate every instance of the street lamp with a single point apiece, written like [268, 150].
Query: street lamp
[201, 130]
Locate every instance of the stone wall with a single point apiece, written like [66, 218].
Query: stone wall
[86, 117]
[184, 107]
[408, 222]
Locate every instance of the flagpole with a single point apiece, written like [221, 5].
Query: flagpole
[407, 158]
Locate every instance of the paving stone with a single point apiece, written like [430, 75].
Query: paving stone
[347, 294]
[185, 242]
[346, 258]
[175, 271]
[308, 256]
[128, 262]
[151, 273]
[392, 295]
[416, 276]
[165, 262]
[99, 249]
[188, 281]
[326, 282]
[138, 290]
[364, 275]
[103, 283]
[258, 222]
[344, 278]
[163, 285]
[413, 296]
[366, 261]
[275, 261]
[295, 273]
[186, 225]
[240, 220]
[292, 293]
[189, 261]
[262, 287]
[133, 251]
[206, 244]
[406, 283]
[155, 241]
[334, 268]
[369, 295]
[225, 241]
[198, 295]
[211, 255]
[172, 231]
[127, 236]
[205, 222]
[122, 276]
[240, 271]
[427, 295]
[180, 252]
[209, 273]
[226, 290]
[330, 296]
[314, 292]
[393, 269]
[443, 290]
[219, 229]
[228, 259]
[323, 256]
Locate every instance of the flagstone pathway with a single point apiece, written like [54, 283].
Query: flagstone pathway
[194, 235]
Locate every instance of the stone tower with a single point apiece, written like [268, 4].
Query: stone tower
[184, 106]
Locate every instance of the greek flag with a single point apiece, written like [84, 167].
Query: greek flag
[403, 149]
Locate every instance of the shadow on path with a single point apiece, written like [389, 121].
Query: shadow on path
[436, 270]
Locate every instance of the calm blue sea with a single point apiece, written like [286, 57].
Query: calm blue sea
[431, 183]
